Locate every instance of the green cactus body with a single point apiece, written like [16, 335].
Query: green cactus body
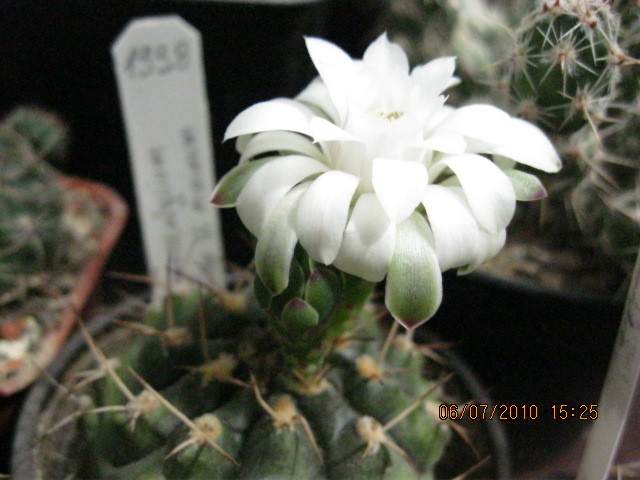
[280, 448]
[31, 206]
[43, 241]
[333, 428]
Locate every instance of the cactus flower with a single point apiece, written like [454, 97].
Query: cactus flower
[371, 172]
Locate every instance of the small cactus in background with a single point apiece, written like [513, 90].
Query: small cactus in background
[571, 67]
[42, 243]
[32, 205]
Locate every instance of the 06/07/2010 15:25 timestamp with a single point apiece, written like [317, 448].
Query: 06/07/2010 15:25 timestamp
[477, 411]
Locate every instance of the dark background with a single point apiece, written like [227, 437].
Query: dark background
[56, 55]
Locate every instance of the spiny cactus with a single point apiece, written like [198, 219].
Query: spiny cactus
[365, 176]
[41, 245]
[606, 201]
[31, 204]
[46, 133]
[565, 65]
[197, 391]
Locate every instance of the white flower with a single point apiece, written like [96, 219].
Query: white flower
[371, 172]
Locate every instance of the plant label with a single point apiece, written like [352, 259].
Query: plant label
[160, 75]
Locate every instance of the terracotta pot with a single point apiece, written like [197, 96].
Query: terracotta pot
[116, 213]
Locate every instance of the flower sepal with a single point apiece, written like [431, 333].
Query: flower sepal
[528, 187]
[298, 317]
[414, 282]
[322, 291]
[229, 187]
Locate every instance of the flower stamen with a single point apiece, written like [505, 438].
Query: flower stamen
[390, 116]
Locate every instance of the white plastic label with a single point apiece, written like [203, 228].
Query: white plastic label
[158, 62]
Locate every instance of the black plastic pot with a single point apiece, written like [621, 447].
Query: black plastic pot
[25, 456]
[531, 347]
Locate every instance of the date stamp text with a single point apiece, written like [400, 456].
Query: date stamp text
[482, 411]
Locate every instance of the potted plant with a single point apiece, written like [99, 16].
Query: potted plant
[365, 176]
[570, 68]
[56, 233]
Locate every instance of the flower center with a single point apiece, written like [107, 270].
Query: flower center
[390, 116]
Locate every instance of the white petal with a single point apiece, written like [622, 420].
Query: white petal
[279, 141]
[269, 184]
[276, 114]
[385, 56]
[459, 240]
[242, 141]
[277, 242]
[435, 76]
[325, 131]
[446, 142]
[453, 82]
[490, 193]
[368, 241]
[438, 117]
[426, 108]
[399, 185]
[323, 212]
[483, 126]
[317, 96]
[231, 185]
[335, 68]
[456, 232]
[527, 144]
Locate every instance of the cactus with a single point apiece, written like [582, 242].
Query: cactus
[565, 64]
[42, 243]
[32, 207]
[195, 390]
